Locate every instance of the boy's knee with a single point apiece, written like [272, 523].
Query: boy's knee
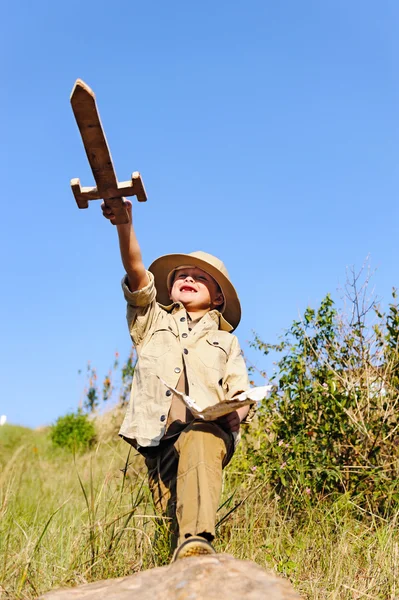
[207, 428]
[207, 438]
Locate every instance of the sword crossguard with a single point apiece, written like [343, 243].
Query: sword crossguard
[134, 187]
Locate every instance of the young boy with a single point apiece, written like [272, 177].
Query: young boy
[180, 314]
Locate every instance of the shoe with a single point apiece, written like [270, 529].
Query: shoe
[193, 546]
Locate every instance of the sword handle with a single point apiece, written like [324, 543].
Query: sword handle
[119, 209]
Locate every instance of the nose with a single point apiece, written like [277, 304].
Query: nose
[189, 278]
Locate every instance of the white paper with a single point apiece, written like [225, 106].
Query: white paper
[211, 413]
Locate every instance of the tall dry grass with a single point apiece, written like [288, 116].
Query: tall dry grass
[68, 520]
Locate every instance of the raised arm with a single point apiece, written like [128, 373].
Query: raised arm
[130, 250]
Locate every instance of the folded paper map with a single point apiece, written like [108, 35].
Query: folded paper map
[211, 413]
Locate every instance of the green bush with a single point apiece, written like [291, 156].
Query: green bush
[332, 424]
[73, 431]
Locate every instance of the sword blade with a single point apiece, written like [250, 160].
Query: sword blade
[84, 107]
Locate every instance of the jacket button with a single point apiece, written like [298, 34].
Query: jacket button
[182, 319]
[184, 335]
[168, 393]
[163, 417]
[185, 351]
[177, 370]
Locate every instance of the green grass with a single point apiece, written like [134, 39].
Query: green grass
[68, 520]
[13, 437]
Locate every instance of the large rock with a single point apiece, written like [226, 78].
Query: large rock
[219, 577]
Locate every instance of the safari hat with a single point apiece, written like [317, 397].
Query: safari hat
[164, 265]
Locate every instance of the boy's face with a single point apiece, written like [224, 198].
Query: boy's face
[195, 289]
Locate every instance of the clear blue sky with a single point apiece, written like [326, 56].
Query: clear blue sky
[266, 133]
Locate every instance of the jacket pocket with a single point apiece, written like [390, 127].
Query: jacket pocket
[214, 353]
[160, 342]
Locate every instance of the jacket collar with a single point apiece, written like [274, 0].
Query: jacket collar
[214, 315]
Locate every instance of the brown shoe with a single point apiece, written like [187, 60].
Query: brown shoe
[193, 546]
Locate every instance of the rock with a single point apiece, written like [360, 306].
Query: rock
[215, 577]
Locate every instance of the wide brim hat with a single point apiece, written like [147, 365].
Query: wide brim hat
[162, 266]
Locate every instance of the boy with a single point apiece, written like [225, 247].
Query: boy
[181, 313]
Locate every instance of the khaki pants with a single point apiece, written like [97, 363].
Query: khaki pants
[185, 477]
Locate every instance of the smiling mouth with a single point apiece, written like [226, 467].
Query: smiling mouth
[186, 288]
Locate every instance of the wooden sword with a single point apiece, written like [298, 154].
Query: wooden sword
[108, 187]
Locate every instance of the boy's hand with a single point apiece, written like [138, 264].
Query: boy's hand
[230, 422]
[108, 214]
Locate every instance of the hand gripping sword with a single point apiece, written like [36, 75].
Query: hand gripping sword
[108, 187]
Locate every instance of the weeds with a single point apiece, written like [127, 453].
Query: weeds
[331, 425]
[68, 521]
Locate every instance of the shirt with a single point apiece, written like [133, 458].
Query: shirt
[179, 414]
[209, 355]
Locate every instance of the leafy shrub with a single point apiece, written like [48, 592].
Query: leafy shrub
[73, 431]
[332, 423]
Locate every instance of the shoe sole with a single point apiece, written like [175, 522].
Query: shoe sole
[193, 548]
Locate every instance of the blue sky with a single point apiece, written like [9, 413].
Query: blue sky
[266, 133]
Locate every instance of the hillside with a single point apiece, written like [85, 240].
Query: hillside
[67, 521]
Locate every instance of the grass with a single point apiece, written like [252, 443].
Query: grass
[68, 520]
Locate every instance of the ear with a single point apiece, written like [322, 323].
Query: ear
[218, 300]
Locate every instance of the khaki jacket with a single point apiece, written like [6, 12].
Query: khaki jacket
[210, 354]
